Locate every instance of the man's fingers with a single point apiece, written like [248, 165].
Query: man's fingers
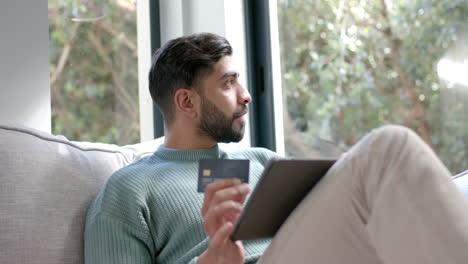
[221, 238]
[236, 193]
[214, 187]
[217, 215]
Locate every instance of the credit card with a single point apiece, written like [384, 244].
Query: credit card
[211, 170]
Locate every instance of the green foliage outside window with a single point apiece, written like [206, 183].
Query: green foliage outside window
[94, 77]
[352, 65]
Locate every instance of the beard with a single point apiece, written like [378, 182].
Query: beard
[215, 124]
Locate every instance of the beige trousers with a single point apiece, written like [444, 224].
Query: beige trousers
[389, 200]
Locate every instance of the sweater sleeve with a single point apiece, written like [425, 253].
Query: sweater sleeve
[108, 240]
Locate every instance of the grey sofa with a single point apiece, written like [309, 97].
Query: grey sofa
[46, 185]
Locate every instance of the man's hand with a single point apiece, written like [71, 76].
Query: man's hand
[222, 206]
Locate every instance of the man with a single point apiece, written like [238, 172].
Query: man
[389, 200]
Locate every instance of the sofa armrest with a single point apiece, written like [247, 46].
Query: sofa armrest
[461, 180]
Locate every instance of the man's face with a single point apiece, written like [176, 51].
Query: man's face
[223, 103]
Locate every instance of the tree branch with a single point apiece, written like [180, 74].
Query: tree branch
[57, 98]
[65, 53]
[419, 112]
[127, 100]
[120, 37]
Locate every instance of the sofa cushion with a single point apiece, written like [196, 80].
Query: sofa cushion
[46, 185]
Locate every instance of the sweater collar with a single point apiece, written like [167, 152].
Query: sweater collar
[189, 154]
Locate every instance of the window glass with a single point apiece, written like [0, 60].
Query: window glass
[349, 66]
[93, 69]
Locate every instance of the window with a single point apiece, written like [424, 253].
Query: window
[93, 69]
[349, 66]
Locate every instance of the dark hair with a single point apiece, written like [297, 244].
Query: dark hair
[181, 63]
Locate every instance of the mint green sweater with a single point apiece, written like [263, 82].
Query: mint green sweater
[149, 211]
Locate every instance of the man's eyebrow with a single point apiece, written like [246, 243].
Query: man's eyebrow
[230, 74]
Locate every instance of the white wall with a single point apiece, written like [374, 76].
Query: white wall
[24, 64]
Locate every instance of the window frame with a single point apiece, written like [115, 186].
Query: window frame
[155, 35]
[264, 74]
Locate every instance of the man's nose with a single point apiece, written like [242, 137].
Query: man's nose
[244, 95]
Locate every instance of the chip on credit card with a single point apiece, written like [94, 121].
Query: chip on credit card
[211, 170]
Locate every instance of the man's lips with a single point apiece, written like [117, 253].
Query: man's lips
[241, 113]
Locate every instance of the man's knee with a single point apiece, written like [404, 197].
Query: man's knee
[394, 132]
[390, 138]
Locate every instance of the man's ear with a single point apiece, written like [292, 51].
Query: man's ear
[187, 102]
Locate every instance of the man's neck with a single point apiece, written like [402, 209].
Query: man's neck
[187, 139]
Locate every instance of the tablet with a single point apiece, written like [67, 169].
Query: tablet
[281, 188]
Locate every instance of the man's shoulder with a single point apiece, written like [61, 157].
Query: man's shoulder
[255, 153]
[124, 186]
[136, 169]
[139, 173]
[261, 151]
[134, 177]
